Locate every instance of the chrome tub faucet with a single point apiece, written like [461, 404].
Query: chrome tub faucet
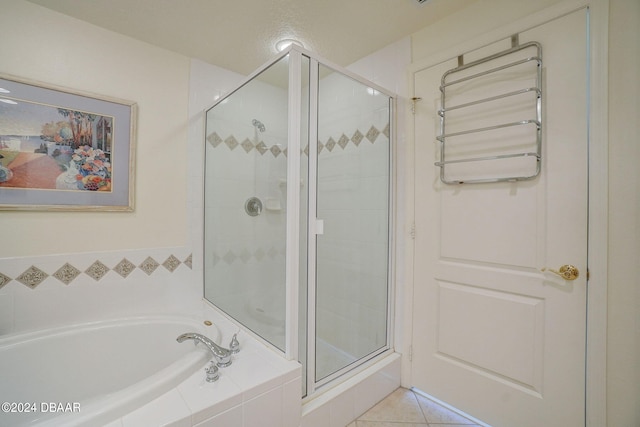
[222, 355]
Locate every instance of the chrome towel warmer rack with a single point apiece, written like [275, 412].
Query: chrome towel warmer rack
[537, 121]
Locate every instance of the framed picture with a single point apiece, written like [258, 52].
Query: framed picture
[64, 150]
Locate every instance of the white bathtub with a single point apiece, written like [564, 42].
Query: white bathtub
[97, 372]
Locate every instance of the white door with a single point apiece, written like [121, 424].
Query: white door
[493, 335]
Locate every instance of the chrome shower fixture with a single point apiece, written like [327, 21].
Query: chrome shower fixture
[258, 124]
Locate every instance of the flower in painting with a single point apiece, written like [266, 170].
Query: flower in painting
[94, 169]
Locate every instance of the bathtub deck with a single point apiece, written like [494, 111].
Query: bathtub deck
[259, 385]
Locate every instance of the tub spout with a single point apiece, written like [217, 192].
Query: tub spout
[222, 355]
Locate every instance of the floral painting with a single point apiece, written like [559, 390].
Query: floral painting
[54, 143]
[52, 148]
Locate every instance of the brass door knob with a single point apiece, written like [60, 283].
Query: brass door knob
[567, 272]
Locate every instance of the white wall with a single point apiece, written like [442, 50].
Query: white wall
[623, 332]
[42, 45]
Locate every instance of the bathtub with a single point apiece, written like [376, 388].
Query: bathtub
[95, 373]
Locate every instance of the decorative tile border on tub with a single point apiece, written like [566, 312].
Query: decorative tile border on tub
[67, 273]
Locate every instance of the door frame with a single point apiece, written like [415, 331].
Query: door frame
[597, 240]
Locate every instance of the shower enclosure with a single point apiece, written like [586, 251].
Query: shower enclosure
[297, 213]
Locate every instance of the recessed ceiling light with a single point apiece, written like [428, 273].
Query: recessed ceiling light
[8, 101]
[3, 90]
[285, 43]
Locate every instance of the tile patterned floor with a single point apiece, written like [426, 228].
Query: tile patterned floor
[404, 408]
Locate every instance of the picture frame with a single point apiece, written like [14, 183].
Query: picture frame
[62, 149]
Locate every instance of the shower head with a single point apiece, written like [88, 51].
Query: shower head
[258, 124]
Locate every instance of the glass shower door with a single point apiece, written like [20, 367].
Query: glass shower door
[320, 256]
[245, 200]
[352, 260]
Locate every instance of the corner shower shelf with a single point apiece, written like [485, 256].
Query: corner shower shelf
[472, 82]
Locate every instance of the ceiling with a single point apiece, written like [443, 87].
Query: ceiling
[240, 35]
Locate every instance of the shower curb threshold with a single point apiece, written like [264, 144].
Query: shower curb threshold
[355, 395]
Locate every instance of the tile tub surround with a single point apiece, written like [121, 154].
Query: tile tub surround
[259, 388]
[55, 290]
[67, 273]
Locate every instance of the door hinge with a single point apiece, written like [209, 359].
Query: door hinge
[410, 353]
[412, 231]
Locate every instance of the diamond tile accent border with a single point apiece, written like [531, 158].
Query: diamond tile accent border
[149, 265]
[231, 142]
[372, 134]
[343, 141]
[247, 145]
[67, 273]
[97, 270]
[245, 256]
[189, 262]
[357, 137]
[330, 144]
[229, 257]
[215, 259]
[4, 280]
[171, 263]
[214, 139]
[32, 277]
[386, 131]
[262, 147]
[275, 150]
[124, 267]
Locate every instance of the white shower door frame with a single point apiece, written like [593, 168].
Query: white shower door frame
[315, 227]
